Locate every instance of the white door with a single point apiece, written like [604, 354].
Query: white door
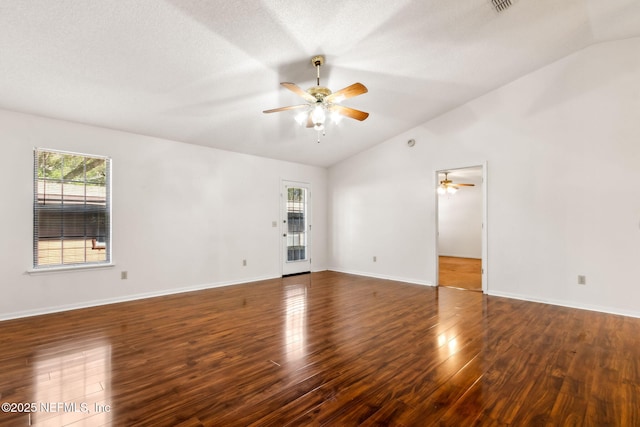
[296, 228]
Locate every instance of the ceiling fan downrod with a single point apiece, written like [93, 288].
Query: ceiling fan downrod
[317, 61]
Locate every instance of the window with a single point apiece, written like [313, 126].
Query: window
[71, 209]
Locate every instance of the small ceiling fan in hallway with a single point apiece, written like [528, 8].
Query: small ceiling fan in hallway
[322, 102]
[448, 187]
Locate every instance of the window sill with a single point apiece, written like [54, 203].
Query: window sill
[68, 268]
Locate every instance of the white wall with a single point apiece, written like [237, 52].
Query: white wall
[557, 143]
[184, 216]
[460, 218]
[562, 147]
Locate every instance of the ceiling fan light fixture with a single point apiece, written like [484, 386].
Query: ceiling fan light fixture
[446, 189]
[301, 118]
[318, 115]
[336, 117]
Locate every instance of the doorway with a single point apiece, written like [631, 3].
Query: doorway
[296, 228]
[460, 228]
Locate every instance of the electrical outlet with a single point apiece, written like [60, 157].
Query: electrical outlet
[274, 223]
[375, 258]
[582, 280]
[124, 275]
[244, 262]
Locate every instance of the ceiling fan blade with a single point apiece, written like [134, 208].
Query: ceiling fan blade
[291, 107]
[349, 112]
[466, 185]
[348, 92]
[298, 91]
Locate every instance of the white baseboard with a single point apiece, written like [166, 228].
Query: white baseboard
[601, 309]
[106, 301]
[95, 303]
[385, 277]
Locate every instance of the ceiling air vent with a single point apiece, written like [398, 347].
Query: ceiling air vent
[501, 5]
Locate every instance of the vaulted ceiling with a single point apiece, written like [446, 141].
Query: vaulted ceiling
[202, 72]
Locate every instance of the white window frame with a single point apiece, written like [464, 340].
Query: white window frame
[107, 230]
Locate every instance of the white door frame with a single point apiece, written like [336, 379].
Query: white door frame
[301, 266]
[485, 252]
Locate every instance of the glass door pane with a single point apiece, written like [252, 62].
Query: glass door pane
[297, 224]
[296, 228]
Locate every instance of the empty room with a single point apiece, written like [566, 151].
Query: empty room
[341, 213]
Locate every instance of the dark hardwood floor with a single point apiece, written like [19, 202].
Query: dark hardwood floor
[322, 349]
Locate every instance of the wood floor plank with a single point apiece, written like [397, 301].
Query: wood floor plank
[323, 349]
[463, 273]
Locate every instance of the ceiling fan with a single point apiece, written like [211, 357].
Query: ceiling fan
[448, 187]
[321, 102]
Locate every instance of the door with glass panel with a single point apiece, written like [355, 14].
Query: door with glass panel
[296, 228]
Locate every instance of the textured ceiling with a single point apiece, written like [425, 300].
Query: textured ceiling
[202, 72]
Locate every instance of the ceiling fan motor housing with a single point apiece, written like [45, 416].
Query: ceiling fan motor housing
[319, 92]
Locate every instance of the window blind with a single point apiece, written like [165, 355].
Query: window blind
[71, 209]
